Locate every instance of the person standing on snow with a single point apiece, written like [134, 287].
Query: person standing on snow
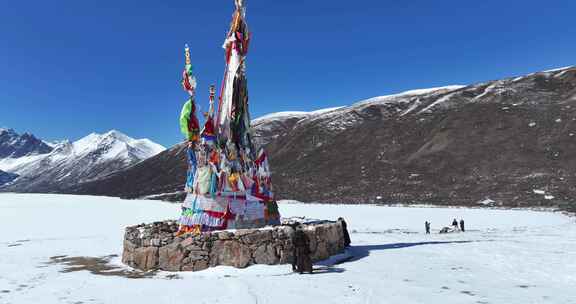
[301, 254]
[462, 225]
[345, 231]
[455, 223]
[427, 226]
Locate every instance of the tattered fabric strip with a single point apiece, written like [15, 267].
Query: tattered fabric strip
[202, 218]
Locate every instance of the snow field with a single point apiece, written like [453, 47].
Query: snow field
[506, 256]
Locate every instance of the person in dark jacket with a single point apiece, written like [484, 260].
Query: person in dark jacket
[345, 231]
[302, 261]
[462, 225]
[455, 223]
[427, 226]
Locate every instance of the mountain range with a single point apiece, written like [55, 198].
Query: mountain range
[31, 165]
[508, 142]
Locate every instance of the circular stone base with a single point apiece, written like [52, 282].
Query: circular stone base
[156, 246]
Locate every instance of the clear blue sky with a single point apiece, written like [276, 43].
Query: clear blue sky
[68, 68]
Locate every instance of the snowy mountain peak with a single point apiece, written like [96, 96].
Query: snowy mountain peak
[15, 145]
[7, 130]
[88, 158]
[114, 144]
[118, 135]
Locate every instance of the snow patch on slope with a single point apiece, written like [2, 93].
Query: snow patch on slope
[12, 164]
[280, 115]
[437, 102]
[401, 97]
[291, 114]
[559, 69]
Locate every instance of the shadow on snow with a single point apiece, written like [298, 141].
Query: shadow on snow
[362, 251]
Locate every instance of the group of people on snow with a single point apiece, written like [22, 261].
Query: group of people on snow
[456, 226]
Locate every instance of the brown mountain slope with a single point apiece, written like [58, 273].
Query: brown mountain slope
[160, 174]
[512, 141]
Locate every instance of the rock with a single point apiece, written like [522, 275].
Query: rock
[265, 254]
[187, 242]
[200, 265]
[166, 239]
[198, 255]
[225, 235]
[312, 237]
[205, 236]
[145, 258]
[286, 254]
[258, 237]
[335, 237]
[194, 247]
[284, 232]
[230, 253]
[321, 252]
[170, 257]
[127, 257]
[243, 232]
[129, 245]
[206, 246]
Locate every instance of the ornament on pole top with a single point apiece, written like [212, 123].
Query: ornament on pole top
[212, 92]
[241, 7]
[187, 54]
[188, 79]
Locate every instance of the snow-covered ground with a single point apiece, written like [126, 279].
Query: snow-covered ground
[505, 257]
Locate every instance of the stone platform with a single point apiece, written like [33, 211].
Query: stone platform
[156, 247]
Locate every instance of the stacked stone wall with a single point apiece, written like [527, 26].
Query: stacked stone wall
[156, 246]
